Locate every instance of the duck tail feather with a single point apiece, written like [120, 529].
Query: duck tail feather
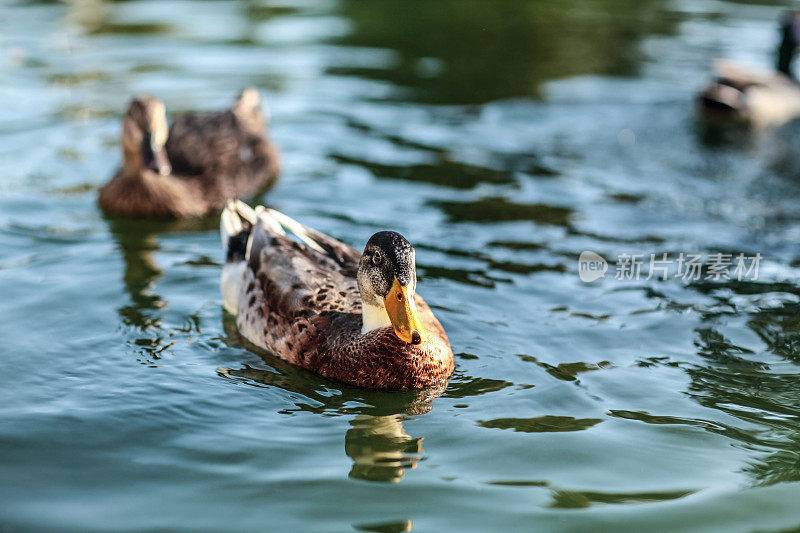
[302, 232]
[271, 224]
[236, 222]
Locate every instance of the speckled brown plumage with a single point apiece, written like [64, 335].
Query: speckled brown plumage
[304, 306]
[214, 156]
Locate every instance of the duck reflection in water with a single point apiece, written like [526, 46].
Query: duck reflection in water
[377, 442]
[380, 448]
[137, 241]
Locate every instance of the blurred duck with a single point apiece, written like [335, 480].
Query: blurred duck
[321, 305]
[193, 168]
[763, 99]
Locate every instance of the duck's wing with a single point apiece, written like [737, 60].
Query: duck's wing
[294, 278]
[283, 291]
[345, 257]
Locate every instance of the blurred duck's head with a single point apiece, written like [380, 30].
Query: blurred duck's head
[144, 136]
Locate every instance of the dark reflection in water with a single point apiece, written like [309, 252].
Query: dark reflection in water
[466, 52]
[568, 499]
[461, 275]
[767, 401]
[447, 173]
[541, 424]
[498, 209]
[566, 371]
[138, 241]
[777, 393]
[758, 387]
[575, 499]
[442, 169]
[467, 387]
[386, 527]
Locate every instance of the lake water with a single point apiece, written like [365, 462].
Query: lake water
[501, 138]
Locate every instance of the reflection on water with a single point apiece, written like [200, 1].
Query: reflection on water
[756, 388]
[380, 448]
[495, 209]
[386, 527]
[445, 49]
[377, 443]
[541, 424]
[567, 499]
[141, 272]
[137, 241]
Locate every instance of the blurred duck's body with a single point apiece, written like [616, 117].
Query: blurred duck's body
[321, 305]
[763, 99]
[203, 160]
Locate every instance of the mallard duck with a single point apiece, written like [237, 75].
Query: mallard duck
[761, 98]
[193, 168]
[321, 305]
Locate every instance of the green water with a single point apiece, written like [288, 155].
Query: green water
[501, 138]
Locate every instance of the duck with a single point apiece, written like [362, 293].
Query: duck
[194, 167]
[317, 303]
[762, 99]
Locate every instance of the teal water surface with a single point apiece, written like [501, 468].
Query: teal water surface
[502, 138]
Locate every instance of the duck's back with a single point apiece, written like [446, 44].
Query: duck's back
[229, 155]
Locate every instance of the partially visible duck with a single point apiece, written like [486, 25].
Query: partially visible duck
[193, 168]
[762, 99]
[321, 305]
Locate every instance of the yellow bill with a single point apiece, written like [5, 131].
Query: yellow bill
[403, 313]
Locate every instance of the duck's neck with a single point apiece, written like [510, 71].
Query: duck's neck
[132, 164]
[373, 317]
[786, 49]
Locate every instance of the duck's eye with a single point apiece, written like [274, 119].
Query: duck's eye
[377, 258]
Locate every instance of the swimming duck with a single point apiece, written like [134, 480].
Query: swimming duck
[321, 305]
[194, 167]
[763, 99]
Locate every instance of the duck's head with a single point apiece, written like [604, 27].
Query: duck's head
[387, 281]
[247, 108]
[144, 136]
